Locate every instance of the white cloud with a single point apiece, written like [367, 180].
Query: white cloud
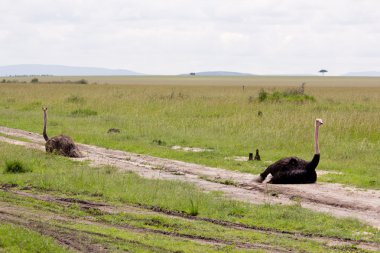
[179, 36]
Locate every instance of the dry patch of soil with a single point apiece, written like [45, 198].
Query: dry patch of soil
[191, 149]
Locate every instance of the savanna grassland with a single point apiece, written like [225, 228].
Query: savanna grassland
[213, 113]
[54, 204]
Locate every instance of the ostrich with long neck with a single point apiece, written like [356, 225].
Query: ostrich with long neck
[61, 144]
[293, 170]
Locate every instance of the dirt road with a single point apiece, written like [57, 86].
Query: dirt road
[335, 199]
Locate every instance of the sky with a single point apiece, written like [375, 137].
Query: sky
[265, 37]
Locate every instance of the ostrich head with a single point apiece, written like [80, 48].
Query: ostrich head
[44, 109]
[318, 122]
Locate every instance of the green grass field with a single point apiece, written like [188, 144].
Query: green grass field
[63, 178]
[156, 113]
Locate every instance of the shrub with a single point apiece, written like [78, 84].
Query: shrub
[288, 96]
[34, 80]
[82, 81]
[15, 166]
[263, 95]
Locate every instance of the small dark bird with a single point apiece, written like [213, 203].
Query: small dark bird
[293, 170]
[257, 156]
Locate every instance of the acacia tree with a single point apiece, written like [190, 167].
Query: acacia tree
[323, 71]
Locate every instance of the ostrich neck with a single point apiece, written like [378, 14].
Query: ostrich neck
[44, 131]
[316, 136]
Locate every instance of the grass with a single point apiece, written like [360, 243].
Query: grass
[284, 96]
[156, 113]
[75, 100]
[158, 222]
[213, 113]
[133, 242]
[83, 113]
[61, 175]
[15, 166]
[14, 239]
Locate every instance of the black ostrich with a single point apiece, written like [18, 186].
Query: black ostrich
[293, 170]
[61, 144]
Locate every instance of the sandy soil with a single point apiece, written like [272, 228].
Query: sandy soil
[335, 199]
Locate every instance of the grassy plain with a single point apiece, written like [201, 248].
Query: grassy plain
[146, 231]
[156, 113]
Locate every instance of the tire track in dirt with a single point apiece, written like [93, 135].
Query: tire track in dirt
[70, 239]
[78, 240]
[336, 199]
[104, 208]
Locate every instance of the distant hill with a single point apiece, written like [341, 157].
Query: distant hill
[60, 70]
[220, 73]
[364, 73]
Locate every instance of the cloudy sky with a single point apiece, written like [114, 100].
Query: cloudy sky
[181, 36]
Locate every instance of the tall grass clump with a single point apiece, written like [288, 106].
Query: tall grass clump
[15, 166]
[193, 208]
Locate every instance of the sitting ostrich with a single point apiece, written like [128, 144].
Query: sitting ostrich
[293, 170]
[62, 145]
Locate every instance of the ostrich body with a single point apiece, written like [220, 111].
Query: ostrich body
[293, 170]
[61, 144]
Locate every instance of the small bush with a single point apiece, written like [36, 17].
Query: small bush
[82, 81]
[287, 96]
[263, 95]
[34, 80]
[15, 166]
[83, 113]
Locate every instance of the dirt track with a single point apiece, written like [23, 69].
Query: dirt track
[338, 200]
[51, 224]
[81, 242]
